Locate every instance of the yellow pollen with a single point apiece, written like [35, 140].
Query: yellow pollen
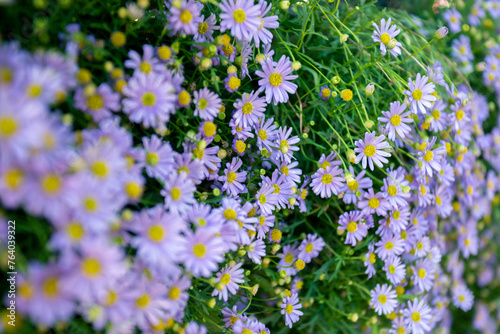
[262, 134]
[422, 273]
[438, 200]
[325, 164]
[184, 98]
[199, 250]
[152, 159]
[392, 190]
[289, 258]
[423, 190]
[230, 214]
[142, 301]
[51, 184]
[239, 15]
[174, 293]
[262, 199]
[14, 178]
[346, 95]
[289, 308]
[156, 233]
[209, 128]
[90, 204]
[325, 92]
[396, 215]
[34, 91]
[225, 279]
[276, 235]
[202, 104]
[186, 16]
[199, 154]
[309, 248]
[373, 203]
[111, 298]
[176, 193]
[389, 245]
[459, 114]
[370, 150]
[26, 290]
[91, 267]
[396, 120]
[277, 189]
[164, 52]
[100, 169]
[234, 83]
[228, 49]
[327, 179]
[417, 94]
[284, 170]
[372, 258]
[202, 28]
[415, 316]
[352, 227]
[353, 185]
[75, 231]
[436, 114]
[148, 99]
[95, 102]
[303, 195]
[51, 287]
[467, 242]
[392, 269]
[382, 299]
[470, 190]
[275, 79]
[385, 38]
[247, 108]
[240, 146]
[8, 126]
[146, 67]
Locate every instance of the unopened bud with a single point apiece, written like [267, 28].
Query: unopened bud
[232, 69]
[392, 44]
[343, 38]
[211, 303]
[465, 27]
[441, 32]
[260, 57]
[292, 201]
[275, 248]
[480, 67]
[265, 262]
[369, 123]
[335, 80]
[348, 177]
[406, 189]
[312, 123]
[370, 88]
[262, 171]
[284, 5]
[351, 155]
[255, 288]
[202, 144]
[282, 273]
[358, 193]
[354, 317]
[222, 154]
[296, 65]
[241, 252]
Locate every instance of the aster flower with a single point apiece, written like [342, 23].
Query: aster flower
[420, 94]
[383, 299]
[240, 327]
[256, 251]
[393, 189]
[389, 246]
[195, 328]
[149, 99]
[232, 178]
[371, 149]
[325, 92]
[286, 144]
[374, 203]
[230, 211]
[151, 304]
[396, 120]
[310, 247]
[395, 269]
[418, 316]
[476, 14]
[370, 259]
[227, 280]
[263, 35]
[249, 109]
[267, 133]
[230, 316]
[201, 252]
[193, 168]
[206, 29]
[397, 220]
[435, 73]
[453, 17]
[100, 104]
[264, 224]
[461, 49]
[178, 193]
[353, 222]
[276, 79]
[459, 117]
[430, 158]
[384, 35]
[291, 173]
[282, 188]
[232, 82]
[357, 183]
[147, 63]
[291, 309]
[185, 17]
[207, 104]
[327, 181]
[241, 17]
[462, 297]
[440, 119]
[287, 259]
[423, 274]
[158, 158]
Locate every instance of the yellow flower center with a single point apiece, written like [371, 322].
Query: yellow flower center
[275, 79]
[415, 316]
[142, 301]
[385, 38]
[392, 190]
[353, 185]
[417, 94]
[309, 248]
[51, 287]
[156, 233]
[277, 189]
[90, 204]
[389, 245]
[176, 193]
[438, 200]
[436, 114]
[184, 98]
[202, 104]
[239, 15]
[164, 52]
[428, 156]
[91, 267]
[396, 120]
[392, 269]
[209, 128]
[240, 146]
[51, 184]
[459, 114]
[423, 190]
[382, 299]
[303, 195]
[346, 95]
[262, 134]
[352, 227]
[95, 102]
[8, 126]
[75, 231]
[148, 99]
[231, 177]
[100, 169]
[289, 258]
[262, 199]
[422, 273]
[247, 108]
[199, 250]
[327, 179]
[276, 235]
[186, 16]
[227, 49]
[230, 214]
[372, 258]
[34, 91]
[370, 150]
[174, 293]
[396, 215]
[14, 178]
[202, 28]
[111, 298]
[152, 159]
[234, 83]
[289, 308]
[373, 203]
[133, 189]
[325, 92]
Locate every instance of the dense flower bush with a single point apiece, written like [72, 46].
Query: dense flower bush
[250, 167]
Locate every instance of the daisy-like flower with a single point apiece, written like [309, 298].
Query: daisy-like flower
[393, 189]
[453, 17]
[249, 109]
[232, 83]
[179, 193]
[286, 144]
[353, 222]
[288, 257]
[325, 92]
[291, 173]
[201, 252]
[371, 150]
[184, 17]
[276, 79]
[241, 17]
[256, 251]
[149, 99]
[383, 299]
[291, 309]
[396, 120]
[462, 297]
[207, 104]
[310, 247]
[461, 49]
[158, 157]
[145, 64]
[281, 187]
[327, 181]
[266, 199]
[370, 259]
[99, 104]
[267, 22]
[267, 133]
[195, 328]
[227, 280]
[418, 316]
[423, 274]
[374, 203]
[395, 269]
[420, 94]
[231, 316]
[429, 158]
[476, 14]
[459, 118]
[390, 246]
[352, 186]
[206, 29]
[440, 118]
[232, 178]
[384, 35]
[436, 74]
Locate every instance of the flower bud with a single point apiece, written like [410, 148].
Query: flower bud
[348, 177]
[262, 171]
[284, 5]
[354, 317]
[211, 302]
[205, 64]
[222, 115]
[305, 135]
[176, 47]
[335, 80]
[292, 201]
[369, 123]
[406, 189]
[275, 248]
[296, 65]
[222, 154]
[480, 67]
[465, 27]
[265, 262]
[358, 193]
[282, 273]
[441, 32]
[370, 88]
[216, 192]
[260, 57]
[241, 252]
[232, 69]
[343, 38]
[351, 155]
[312, 123]
[392, 44]
[255, 288]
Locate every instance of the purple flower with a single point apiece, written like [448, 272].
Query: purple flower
[286, 145]
[287, 259]
[327, 181]
[430, 159]
[374, 203]
[325, 92]
[201, 253]
[267, 22]
[206, 29]
[232, 178]
[256, 251]
[276, 79]
[207, 104]
[227, 280]
[384, 35]
[178, 193]
[389, 246]
[393, 189]
[267, 133]
[420, 94]
[232, 82]
[396, 120]
[185, 17]
[462, 297]
[310, 247]
[266, 199]
[371, 149]
[418, 316]
[193, 168]
[395, 269]
[453, 17]
[282, 188]
[145, 64]
[423, 274]
[357, 183]
[249, 109]
[353, 222]
[151, 304]
[440, 118]
[383, 299]
[149, 99]
[98, 104]
[461, 49]
[291, 309]
[158, 157]
[241, 17]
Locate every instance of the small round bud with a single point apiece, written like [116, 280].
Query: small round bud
[370, 88]
[255, 288]
[392, 44]
[222, 154]
[265, 262]
[480, 67]
[334, 94]
[118, 39]
[202, 144]
[205, 63]
[351, 155]
[260, 57]
[284, 5]
[108, 66]
[217, 138]
[296, 65]
[465, 27]
[369, 123]
[219, 286]
[282, 273]
[284, 149]
[222, 115]
[264, 151]
[406, 189]
[299, 264]
[343, 38]
[122, 13]
[322, 277]
[241, 252]
[335, 80]
[89, 90]
[354, 317]
[232, 69]
[305, 135]
[216, 192]
[441, 32]
[262, 171]
[312, 123]
[292, 201]
[348, 177]
[358, 193]
[275, 248]
[211, 302]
